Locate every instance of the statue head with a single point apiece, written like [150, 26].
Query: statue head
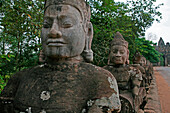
[148, 63]
[137, 57]
[119, 53]
[67, 31]
[143, 61]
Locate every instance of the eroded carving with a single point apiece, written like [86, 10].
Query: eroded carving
[65, 83]
[138, 62]
[129, 78]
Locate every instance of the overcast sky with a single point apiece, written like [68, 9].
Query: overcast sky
[161, 29]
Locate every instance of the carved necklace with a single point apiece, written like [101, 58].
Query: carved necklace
[62, 66]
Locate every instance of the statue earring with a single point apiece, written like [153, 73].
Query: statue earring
[88, 55]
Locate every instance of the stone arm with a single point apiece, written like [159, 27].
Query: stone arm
[108, 98]
[143, 72]
[7, 95]
[104, 105]
[136, 78]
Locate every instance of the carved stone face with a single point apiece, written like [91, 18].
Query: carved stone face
[136, 60]
[63, 34]
[143, 61]
[119, 55]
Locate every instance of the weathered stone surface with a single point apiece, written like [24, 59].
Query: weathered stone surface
[64, 83]
[153, 104]
[148, 69]
[61, 88]
[129, 81]
[140, 63]
[129, 78]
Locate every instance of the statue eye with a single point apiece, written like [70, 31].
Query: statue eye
[121, 52]
[46, 25]
[67, 24]
[114, 51]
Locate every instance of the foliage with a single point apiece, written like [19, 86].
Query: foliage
[130, 19]
[107, 19]
[20, 24]
[2, 83]
[3, 79]
[144, 13]
[147, 49]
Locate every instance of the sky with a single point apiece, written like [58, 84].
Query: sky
[161, 29]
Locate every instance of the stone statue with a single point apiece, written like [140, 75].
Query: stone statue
[148, 68]
[137, 58]
[129, 78]
[143, 61]
[65, 83]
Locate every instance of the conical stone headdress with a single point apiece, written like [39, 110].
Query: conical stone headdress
[119, 40]
[137, 57]
[81, 5]
[137, 54]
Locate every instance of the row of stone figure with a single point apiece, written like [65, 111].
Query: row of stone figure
[133, 81]
[66, 83]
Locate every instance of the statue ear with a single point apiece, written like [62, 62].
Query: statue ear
[127, 60]
[41, 57]
[88, 53]
[108, 62]
[89, 33]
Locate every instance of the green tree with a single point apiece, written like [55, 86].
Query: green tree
[131, 19]
[20, 24]
[144, 13]
[147, 49]
[3, 60]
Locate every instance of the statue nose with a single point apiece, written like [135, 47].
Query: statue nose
[54, 32]
[118, 54]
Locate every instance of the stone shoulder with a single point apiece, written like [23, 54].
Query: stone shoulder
[100, 70]
[135, 72]
[141, 68]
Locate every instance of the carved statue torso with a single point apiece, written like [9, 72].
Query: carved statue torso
[124, 76]
[141, 68]
[62, 89]
[128, 79]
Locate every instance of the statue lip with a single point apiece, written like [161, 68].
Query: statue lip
[117, 59]
[56, 42]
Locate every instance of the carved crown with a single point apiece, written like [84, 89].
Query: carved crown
[81, 5]
[119, 40]
[137, 54]
[137, 57]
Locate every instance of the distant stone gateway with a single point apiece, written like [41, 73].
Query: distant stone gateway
[165, 50]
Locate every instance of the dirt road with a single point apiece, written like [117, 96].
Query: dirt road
[162, 75]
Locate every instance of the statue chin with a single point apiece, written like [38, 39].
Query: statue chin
[118, 63]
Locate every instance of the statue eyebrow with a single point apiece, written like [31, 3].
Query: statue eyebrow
[58, 17]
[48, 18]
[64, 16]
